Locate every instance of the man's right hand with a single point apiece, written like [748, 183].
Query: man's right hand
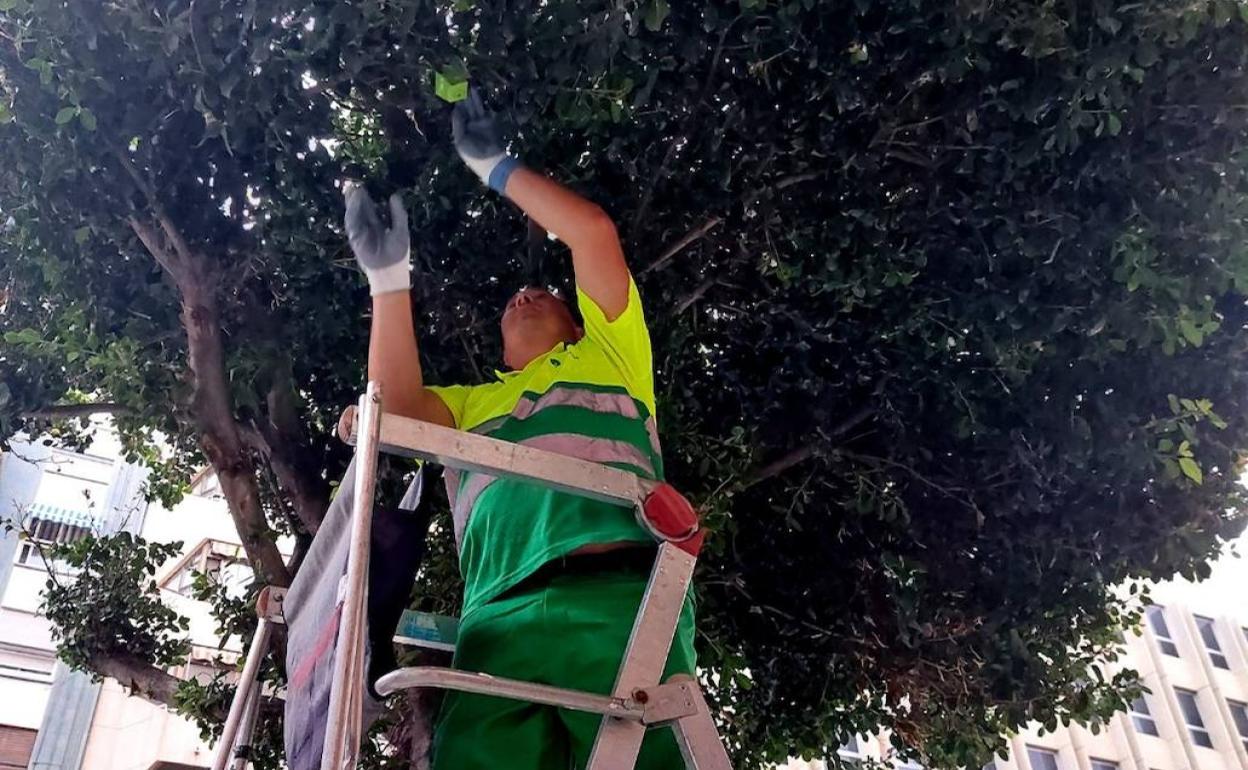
[383, 253]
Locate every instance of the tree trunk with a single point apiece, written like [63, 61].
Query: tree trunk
[221, 438]
[211, 405]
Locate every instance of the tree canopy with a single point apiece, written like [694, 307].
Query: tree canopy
[947, 298]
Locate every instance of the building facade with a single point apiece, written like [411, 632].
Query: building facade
[50, 717]
[1192, 654]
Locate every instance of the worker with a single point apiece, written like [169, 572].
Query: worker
[552, 581]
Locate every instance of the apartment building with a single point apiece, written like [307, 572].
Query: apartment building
[1192, 654]
[50, 717]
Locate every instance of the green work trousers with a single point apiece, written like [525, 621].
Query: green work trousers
[569, 632]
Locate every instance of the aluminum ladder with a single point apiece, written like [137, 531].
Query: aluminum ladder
[637, 702]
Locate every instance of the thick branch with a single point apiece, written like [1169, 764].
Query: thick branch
[279, 440]
[292, 458]
[181, 248]
[66, 411]
[139, 677]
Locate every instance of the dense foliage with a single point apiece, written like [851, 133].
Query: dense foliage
[947, 296]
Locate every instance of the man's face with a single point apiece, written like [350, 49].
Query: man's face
[534, 321]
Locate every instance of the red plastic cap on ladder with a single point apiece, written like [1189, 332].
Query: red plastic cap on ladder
[669, 516]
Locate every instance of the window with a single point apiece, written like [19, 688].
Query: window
[1210, 634]
[849, 751]
[206, 484]
[1104, 764]
[48, 527]
[1191, 715]
[1042, 759]
[1157, 621]
[16, 743]
[1142, 718]
[223, 564]
[1239, 712]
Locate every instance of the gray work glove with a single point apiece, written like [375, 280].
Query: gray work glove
[383, 253]
[478, 144]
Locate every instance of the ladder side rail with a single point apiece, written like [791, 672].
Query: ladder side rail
[645, 657]
[248, 682]
[345, 700]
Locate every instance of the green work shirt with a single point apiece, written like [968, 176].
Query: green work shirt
[593, 399]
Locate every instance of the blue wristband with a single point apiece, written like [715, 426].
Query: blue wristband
[501, 173]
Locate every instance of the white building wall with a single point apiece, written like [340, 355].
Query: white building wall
[125, 733]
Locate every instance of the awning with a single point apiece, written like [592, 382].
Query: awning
[58, 515]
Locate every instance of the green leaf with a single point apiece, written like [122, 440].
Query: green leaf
[81, 235]
[1113, 125]
[450, 86]
[1191, 332]
[655, 14]
[43, 67]
[1191, 469]
[87, 118]
[65, 115]
[23, 337]
[7, 5]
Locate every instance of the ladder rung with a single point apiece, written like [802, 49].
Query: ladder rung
[484, 684]
[457, 449]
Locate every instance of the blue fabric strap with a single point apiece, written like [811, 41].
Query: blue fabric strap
[501, 173]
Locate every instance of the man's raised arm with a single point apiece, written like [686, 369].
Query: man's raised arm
[393, 358]
[597, 257]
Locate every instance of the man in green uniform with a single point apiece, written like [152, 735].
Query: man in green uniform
[552, 581]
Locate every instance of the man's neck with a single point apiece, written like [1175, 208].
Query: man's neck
[531, 356]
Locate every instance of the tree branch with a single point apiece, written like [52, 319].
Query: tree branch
[810, 448]
[138, 677]
[180, 247]
[695, 295]
[781, 464]
[680, 245]
[65, 411]
[701, 230]
[634, 230]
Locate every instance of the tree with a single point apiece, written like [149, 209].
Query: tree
[947, 298]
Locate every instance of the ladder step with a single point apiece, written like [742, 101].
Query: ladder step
[425, 629]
